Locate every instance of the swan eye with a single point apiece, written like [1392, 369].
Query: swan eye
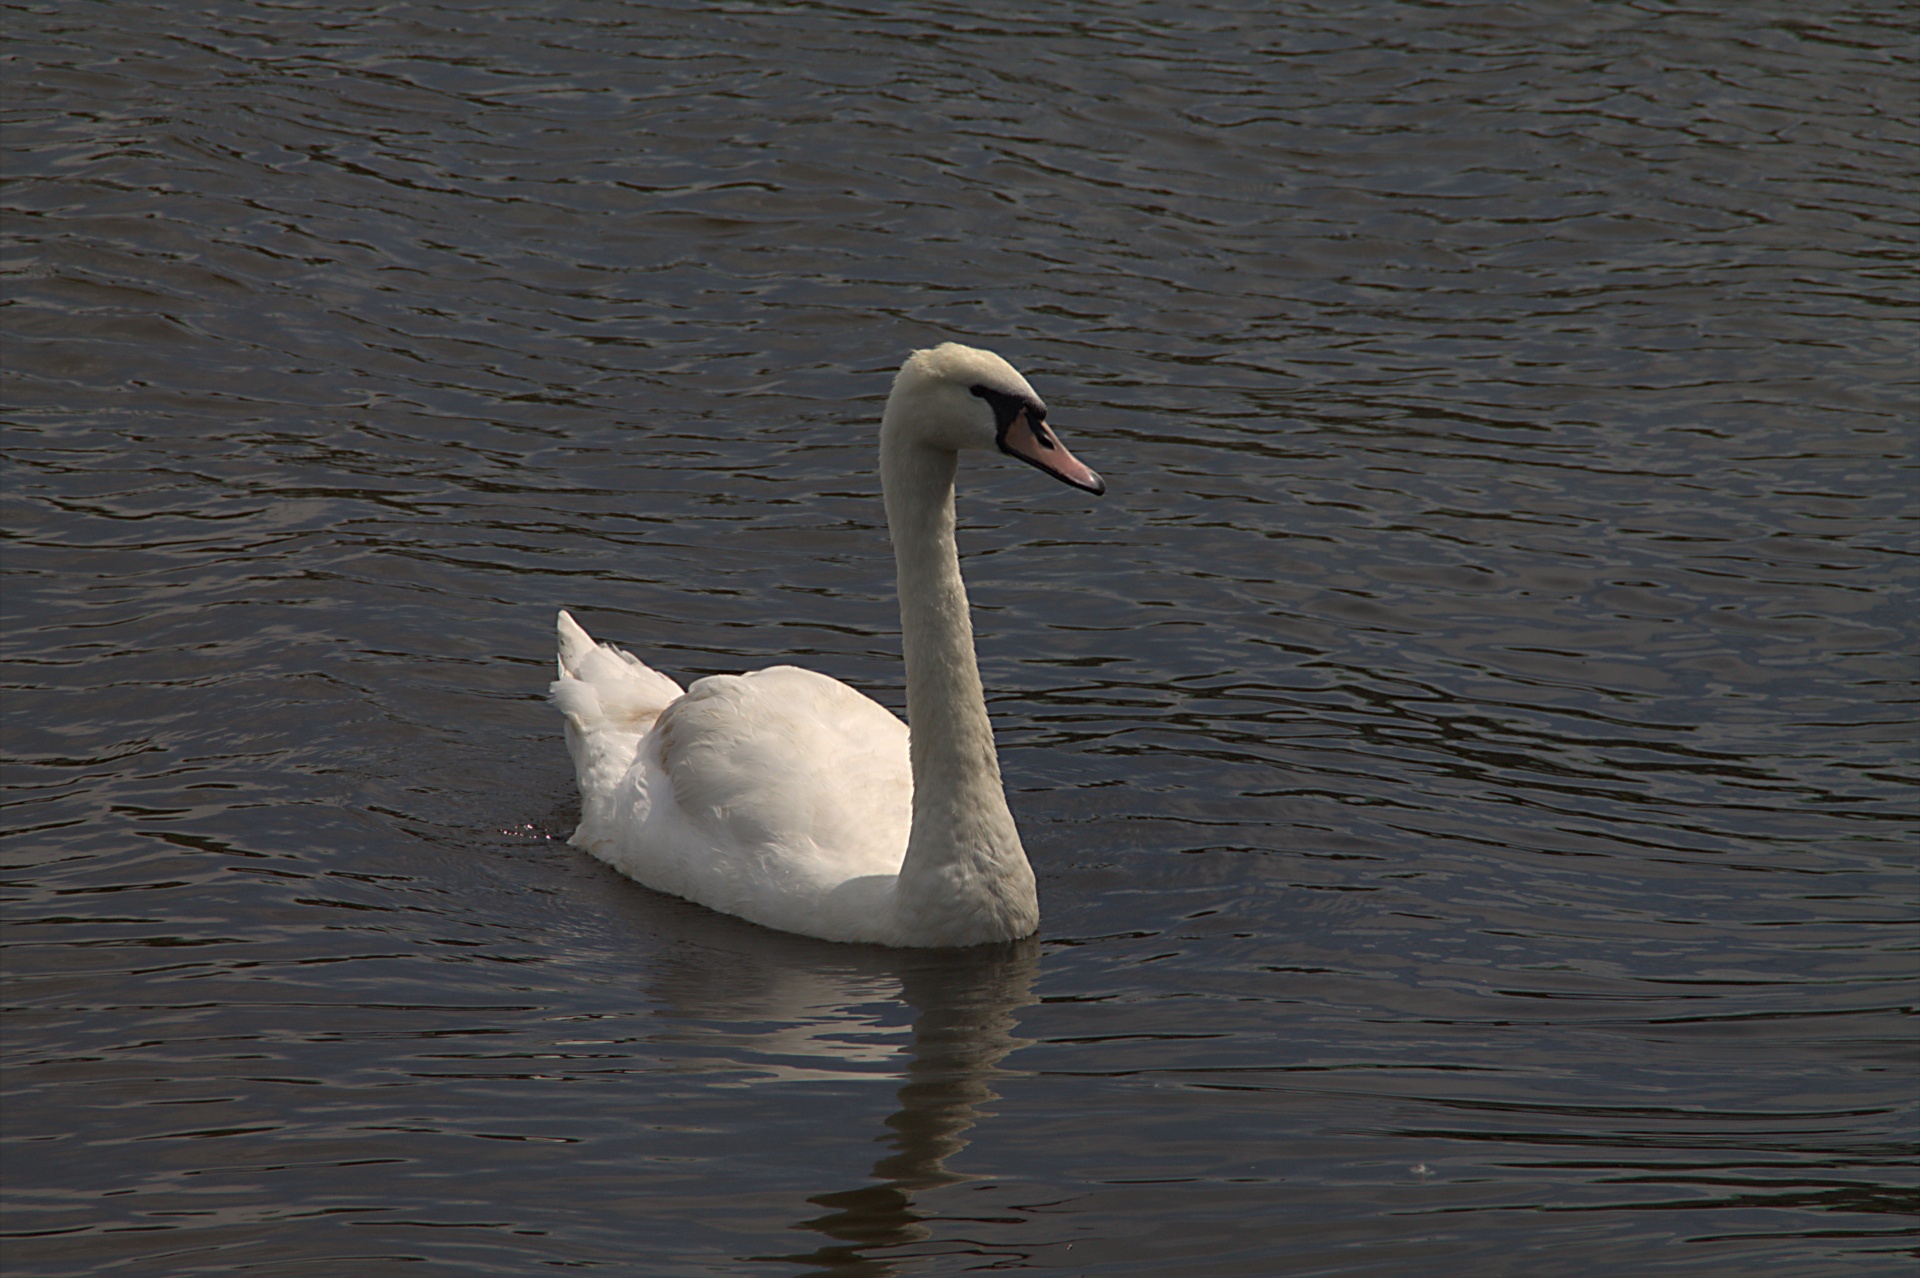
[1007, 407]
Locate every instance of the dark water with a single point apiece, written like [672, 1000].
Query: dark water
[1467, 756]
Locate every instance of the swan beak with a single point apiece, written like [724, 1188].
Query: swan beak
[1035, 443]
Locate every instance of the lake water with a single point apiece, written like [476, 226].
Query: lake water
[1467, 755]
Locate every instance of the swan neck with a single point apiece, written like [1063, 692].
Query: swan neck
[952, 738]
[963, 855]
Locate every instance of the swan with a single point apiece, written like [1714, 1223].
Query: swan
[787, 798]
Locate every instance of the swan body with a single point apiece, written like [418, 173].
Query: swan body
[786, 797]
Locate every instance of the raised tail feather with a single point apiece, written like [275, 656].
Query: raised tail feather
[609, 698]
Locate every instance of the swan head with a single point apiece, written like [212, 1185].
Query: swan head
[958, 397]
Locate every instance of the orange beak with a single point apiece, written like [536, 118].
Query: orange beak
[1035, 443]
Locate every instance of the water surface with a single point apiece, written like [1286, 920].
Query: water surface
[1467, 755]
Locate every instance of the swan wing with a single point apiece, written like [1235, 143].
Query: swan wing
[782, 796]
[809, 776]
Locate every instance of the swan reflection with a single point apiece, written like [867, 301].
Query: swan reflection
[966, 1003]
[773, 1007]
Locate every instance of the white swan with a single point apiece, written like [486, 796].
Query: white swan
[787, 798]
